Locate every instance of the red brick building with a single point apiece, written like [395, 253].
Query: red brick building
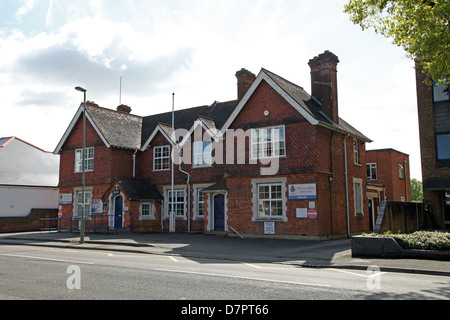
[433, 103]
[277, 161]
[388, 178]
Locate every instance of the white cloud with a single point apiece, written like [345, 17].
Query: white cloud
[193, 49]
[27, 6]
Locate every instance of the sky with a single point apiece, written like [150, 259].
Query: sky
[192, 48]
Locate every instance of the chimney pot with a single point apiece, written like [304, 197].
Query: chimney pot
[324, 83]
[124, 109]
[245, 80]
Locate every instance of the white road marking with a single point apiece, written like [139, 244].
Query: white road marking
[252, 265]
[41, 258]
[242, 277]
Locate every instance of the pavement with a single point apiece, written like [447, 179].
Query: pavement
[303, 253]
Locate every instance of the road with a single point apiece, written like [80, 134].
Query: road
[69, 274]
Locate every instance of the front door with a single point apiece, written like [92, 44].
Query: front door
[219, 212]
[118, 212]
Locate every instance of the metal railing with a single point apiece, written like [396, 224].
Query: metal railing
[93, 223]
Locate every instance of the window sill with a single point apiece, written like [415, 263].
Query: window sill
[268, 158]
[271, 219]
[146, 218]
[176, 218]
[200, 167]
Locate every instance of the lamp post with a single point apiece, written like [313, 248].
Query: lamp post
[83, 166]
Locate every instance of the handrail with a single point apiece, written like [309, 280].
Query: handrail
[236, 232]
[45, 224]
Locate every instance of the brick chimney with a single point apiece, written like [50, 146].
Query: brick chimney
[245, 80]
[324, 83]
[124, 109]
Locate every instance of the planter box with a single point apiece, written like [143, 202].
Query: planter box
[384, 247]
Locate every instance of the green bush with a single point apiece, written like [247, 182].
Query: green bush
[424, 240]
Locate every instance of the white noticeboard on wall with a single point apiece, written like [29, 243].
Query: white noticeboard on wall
[269, 227]
[302, 213]
[302, 191]
[65, 198]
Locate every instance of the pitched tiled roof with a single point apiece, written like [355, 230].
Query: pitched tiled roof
[312, 106]
[184, 119]
[129, 131]
[140, 189]
[119, 129]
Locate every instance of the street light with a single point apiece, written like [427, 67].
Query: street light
[83, 166]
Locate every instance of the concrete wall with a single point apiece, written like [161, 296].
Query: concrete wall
[18, 201]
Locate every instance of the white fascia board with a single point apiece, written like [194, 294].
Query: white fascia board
[72, 125]
[68, 130]
[152, 136]
[216, 136]
[263, 76]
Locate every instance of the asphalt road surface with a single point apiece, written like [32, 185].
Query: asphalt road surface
[68, 274]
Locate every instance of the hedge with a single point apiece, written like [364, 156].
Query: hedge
[422, 240]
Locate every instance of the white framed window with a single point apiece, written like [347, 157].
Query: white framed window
[147, 210]
[401, 171]
[161, 158]
[88, 160]
[200, 204]
[356, 152]
[358, 196]
[372, 171]
[177, 203]
[199, 200]
[202, 155]
[269, 199]
[79, 203]
[268, 143]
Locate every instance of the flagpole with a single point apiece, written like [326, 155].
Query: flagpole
[171, 201]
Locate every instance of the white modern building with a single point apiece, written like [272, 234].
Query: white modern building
[28, 178]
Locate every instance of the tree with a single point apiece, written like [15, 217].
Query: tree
[421, 27]
[416, 190]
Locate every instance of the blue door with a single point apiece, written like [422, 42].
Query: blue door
[219, 212]
[118, 212]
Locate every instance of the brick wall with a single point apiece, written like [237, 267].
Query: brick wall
[28, 223]
[102, 157]
[388, 161]
[406, 217]
[427, 130]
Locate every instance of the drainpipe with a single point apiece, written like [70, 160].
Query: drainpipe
[162, 216]
[134, 163]
[406, 184]
[346, 186]
[189, 191]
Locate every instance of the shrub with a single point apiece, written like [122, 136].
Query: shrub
[424, 240]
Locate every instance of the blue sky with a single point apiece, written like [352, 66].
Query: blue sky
[192, 48]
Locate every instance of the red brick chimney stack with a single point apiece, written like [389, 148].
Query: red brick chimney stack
[245, 80]
[124, 109]
[324, 83]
